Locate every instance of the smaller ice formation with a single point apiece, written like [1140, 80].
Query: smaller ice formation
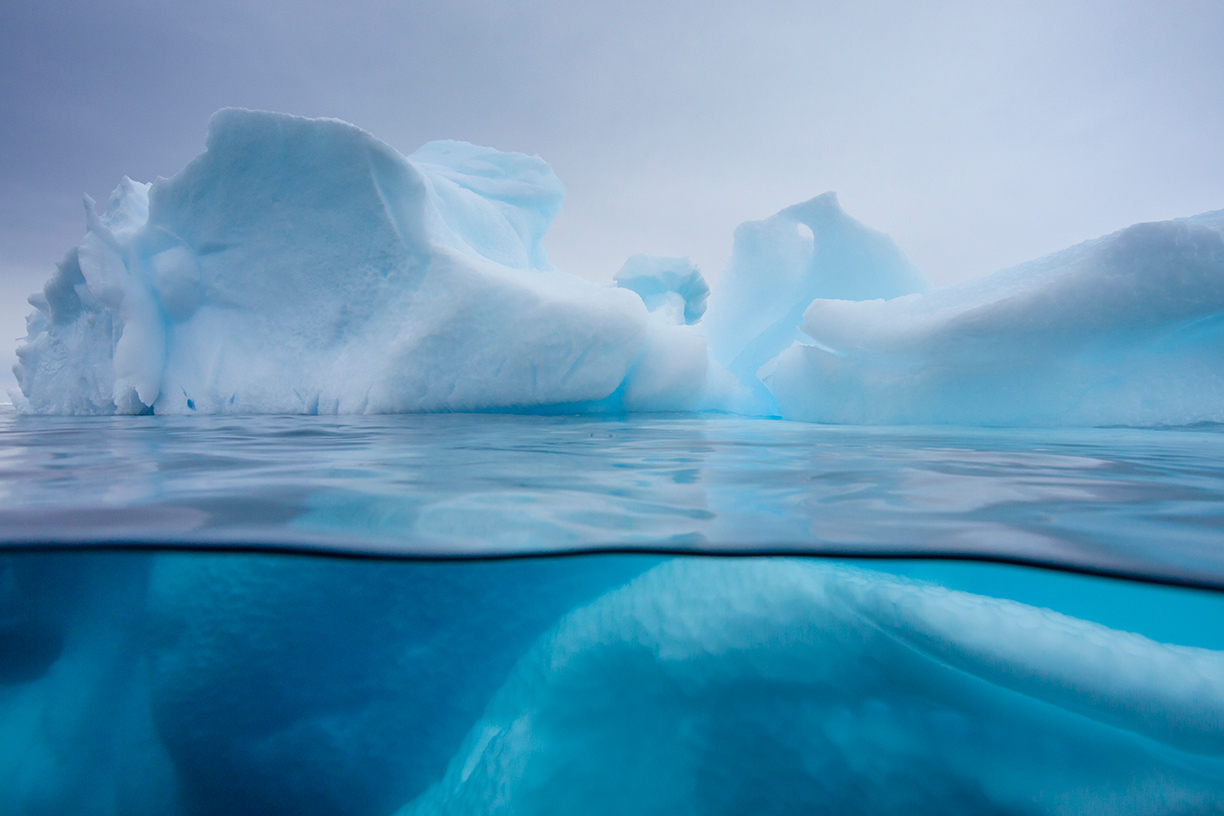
[729, 687]
[1127, 329]
[672, 287]
[780, 265]
[303, 266]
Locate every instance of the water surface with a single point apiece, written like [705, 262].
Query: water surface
[1137, 502]
[375, 617]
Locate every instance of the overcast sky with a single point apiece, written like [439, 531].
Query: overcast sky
[977, 134]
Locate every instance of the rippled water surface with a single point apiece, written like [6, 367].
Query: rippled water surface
[1123, 501]
[898, 676]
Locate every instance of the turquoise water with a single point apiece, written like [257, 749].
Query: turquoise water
[1148, 503]
[524, 615]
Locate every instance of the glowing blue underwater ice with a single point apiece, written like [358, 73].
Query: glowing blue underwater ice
[238, 684]
[303, 266]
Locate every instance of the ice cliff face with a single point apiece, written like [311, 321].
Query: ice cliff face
[302, 266]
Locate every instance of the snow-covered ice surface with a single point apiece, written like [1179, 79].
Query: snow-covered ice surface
[303, 266]
[1123, 330]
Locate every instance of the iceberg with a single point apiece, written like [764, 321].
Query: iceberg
[302, 266]
[76, 731]
[314, 686]
[212, 683]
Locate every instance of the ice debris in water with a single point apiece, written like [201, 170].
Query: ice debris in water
[303, 266]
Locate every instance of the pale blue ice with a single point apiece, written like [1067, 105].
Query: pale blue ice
[303, 266]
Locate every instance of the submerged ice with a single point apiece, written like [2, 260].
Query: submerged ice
[235, 684]
[303, 266]
[724, 687]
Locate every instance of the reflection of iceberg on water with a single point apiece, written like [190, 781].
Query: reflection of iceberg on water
[236, 684]
[303, 266]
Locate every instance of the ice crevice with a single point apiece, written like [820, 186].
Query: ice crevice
[302, 262]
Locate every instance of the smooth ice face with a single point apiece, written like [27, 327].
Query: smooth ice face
[1127, 329]
[302, 266]
[780, 265]
[725, 687]
[671, 287]
[496, 205]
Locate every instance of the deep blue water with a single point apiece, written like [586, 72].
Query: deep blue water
[906, 620]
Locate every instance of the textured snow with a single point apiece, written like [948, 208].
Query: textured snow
[1127, 329]
[303, 266]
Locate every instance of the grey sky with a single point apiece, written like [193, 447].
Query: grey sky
[976, 134]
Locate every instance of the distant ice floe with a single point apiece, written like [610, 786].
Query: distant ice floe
[303, 266]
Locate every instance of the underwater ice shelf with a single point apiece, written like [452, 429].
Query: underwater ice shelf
[237, 683]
